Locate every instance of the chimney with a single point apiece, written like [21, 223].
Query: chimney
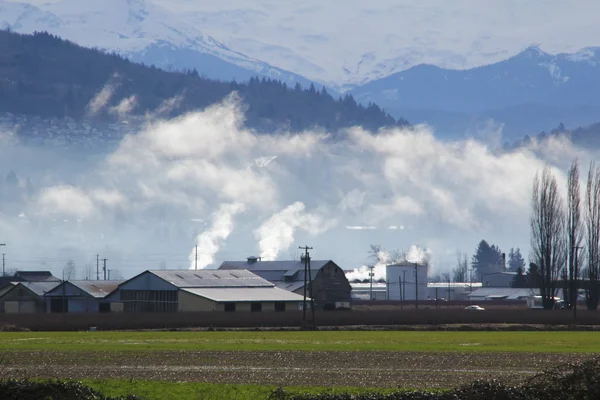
[252, 260]
[504, 261]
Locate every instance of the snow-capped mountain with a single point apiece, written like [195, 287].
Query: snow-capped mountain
[349, 43]
[141, 31]
[531, 77]
[529, 92]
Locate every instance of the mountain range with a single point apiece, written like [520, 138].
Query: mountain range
[484, 88]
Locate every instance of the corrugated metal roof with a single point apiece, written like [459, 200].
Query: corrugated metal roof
[207, 278]
[285, 266]
[244, 294]
[97, 289]
[275, 271]
[37, 276]
[507, 293]
[40, 288]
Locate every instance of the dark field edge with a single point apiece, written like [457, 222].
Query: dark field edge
[410, 328]
[567, 381]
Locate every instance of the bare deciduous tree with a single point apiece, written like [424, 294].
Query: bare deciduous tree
[70, 271]
[574, 233]
[461, 272]
[548, 242]
[592, 224]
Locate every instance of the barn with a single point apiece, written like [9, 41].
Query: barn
[26, 297]
[330, 286]
[203, 290]
[81, 296]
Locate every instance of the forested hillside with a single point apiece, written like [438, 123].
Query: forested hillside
[43, 75]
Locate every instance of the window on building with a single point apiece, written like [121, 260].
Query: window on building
[104, 307]
[230, 307]
[279, 306]
[256, 307]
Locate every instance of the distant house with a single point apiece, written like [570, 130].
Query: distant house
[81, 296]
[25, 297]
[330, 285]
[28, 276]
[203, 290]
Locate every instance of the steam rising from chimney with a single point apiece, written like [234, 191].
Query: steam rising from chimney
[210, 241]
[277, 233]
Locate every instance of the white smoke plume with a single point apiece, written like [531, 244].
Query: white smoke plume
[125, 107]
[102, 98]
[138, 204]
[384, 258]
[277, 233]
[210, 241]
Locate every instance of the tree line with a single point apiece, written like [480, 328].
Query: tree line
[565, 236]
[47, 76]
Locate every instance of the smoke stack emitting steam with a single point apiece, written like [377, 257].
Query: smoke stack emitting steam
[211, 240]
[277, 233]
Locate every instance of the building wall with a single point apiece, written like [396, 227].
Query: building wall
[330, 286]
[402, 280]
[497, 280]
[191, 303]
[21, 294]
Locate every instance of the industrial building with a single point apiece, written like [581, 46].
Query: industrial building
[451, 290]
[366, 291]
[498, 279]
[331, 289]
[81, 296]
[203, 290]
[25, 297]
[498, 293]
[407, 281]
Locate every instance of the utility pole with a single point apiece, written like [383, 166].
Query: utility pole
[196, 263]
[416, 286]
[403, 285]
[575, 286]
[401, 293]
[104, 266]
[3, 271]
[97, 267]
[109, 274]
[305, 248]
[371, 274]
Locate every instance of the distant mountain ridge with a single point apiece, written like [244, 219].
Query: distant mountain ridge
[529, 92]
[43, 75]
[530, 77]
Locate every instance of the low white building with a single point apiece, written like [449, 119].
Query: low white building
[452, 290]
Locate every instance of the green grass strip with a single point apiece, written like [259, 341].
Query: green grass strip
[571, 342]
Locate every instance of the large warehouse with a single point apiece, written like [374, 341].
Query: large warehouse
[81, 296]
[203, 290]
[25, 297]
[330, 285]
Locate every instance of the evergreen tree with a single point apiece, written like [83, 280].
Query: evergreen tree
[534, 275]
[515, 260]
[487, 259]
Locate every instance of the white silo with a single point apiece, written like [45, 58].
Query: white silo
[407, 281]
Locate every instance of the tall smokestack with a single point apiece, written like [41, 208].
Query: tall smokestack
[504, 261]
